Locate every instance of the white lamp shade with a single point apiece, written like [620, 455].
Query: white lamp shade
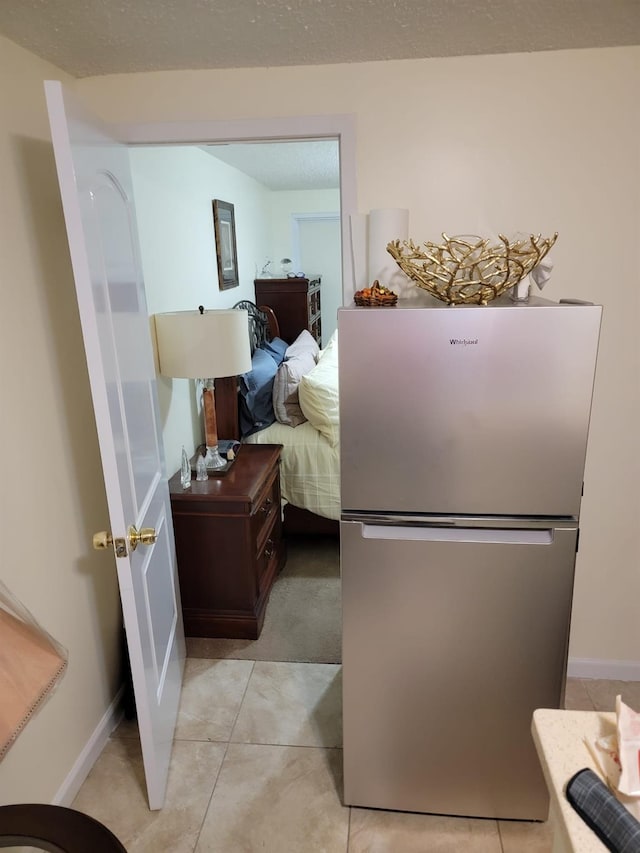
[194, 345]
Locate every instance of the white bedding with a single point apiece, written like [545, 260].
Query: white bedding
[310, 467]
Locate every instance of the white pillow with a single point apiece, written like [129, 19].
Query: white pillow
[331, 343]
[318, 394]
[285, 388]
[305, 342]
[299, 358]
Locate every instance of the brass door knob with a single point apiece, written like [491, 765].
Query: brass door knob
[144, 536]
[102, 540]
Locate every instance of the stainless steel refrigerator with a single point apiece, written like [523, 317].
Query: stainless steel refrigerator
[463, 443]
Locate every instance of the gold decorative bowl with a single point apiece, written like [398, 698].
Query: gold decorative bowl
[469, 270]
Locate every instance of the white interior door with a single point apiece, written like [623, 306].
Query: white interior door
[95, 185]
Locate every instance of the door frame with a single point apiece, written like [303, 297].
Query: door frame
[341, 127]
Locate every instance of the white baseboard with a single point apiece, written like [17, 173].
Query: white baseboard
[608, 670]
[92, 749]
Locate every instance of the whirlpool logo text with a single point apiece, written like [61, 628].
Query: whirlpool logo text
[462, 342]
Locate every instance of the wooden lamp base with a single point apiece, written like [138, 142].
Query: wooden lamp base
[213, 460]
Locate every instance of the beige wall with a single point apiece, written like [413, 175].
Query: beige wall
[53, 493]
[526, 142]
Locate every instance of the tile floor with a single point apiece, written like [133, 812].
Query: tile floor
[257, 766]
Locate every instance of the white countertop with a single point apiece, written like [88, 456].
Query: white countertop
[559, 737]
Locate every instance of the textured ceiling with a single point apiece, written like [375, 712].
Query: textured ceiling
[285, 165]
[94, 37]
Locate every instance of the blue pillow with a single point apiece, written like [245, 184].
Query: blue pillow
[276, 349]
[256, 393]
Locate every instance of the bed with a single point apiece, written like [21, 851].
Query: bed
[290, 398]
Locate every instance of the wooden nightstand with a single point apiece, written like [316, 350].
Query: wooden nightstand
[229, 544]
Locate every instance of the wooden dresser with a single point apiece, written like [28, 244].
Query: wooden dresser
[229, 544]
[296, 302]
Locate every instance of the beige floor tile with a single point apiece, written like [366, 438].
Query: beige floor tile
[603, 693]
[576, 697]
[294, 704]
[277, 799]
[525, 837]
[212, 692]
[400, 832]
[115, 794]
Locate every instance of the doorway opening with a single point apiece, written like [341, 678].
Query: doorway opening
[323, 557]
[268, 130]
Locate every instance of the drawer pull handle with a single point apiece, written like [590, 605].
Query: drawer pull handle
[269, 548]
[266, 506]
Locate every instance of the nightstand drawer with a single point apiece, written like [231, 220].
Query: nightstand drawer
[267, 507]
[270, 555]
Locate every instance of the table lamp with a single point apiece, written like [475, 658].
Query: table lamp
[204, 345]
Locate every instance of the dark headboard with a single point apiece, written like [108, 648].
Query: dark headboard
[263, 326]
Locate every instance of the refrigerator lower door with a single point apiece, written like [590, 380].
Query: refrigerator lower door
[451, 639]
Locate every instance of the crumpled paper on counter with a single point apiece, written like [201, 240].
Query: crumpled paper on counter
[618, 758]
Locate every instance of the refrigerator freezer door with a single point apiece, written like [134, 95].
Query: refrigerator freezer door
[450, 641]
[466, 410]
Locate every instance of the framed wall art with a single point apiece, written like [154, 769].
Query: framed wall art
[224, 226]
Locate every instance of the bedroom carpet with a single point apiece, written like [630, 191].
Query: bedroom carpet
[303, 619]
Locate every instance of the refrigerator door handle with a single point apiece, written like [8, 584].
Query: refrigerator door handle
[515, 536]
[464, 522]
